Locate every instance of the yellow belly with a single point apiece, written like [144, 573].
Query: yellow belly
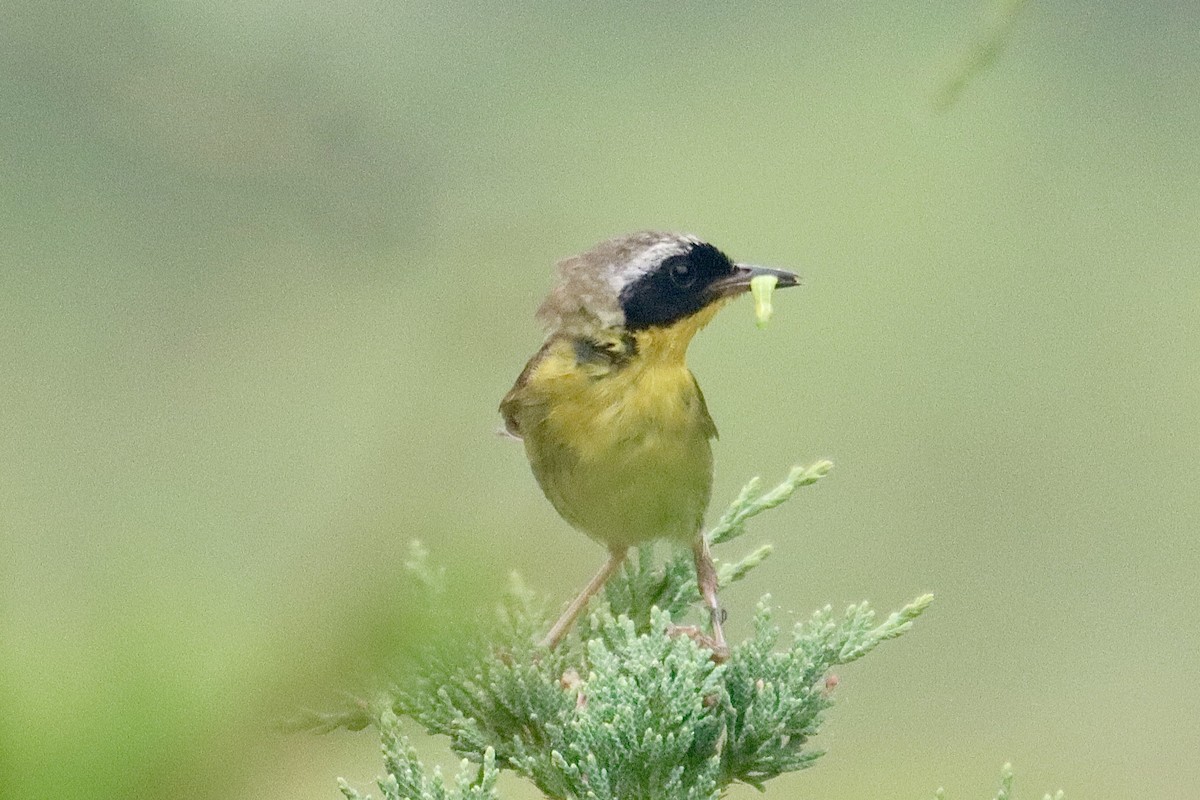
[624, 457]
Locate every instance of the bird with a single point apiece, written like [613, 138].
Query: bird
[614, 424]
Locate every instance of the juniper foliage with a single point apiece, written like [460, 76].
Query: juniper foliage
[630, 706]
[406, 778]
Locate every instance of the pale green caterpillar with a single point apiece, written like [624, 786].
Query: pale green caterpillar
[761, 286]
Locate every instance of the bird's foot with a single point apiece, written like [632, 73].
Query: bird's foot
[720, 651]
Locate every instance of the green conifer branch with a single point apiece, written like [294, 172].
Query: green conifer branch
[629, 707]
[406, 778]
[749, 503]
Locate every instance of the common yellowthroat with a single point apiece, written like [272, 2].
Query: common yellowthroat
[613, 421]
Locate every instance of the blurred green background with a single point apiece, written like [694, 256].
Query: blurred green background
[267, 269]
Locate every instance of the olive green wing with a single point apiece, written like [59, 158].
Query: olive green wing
[706, 421]
[511, 405]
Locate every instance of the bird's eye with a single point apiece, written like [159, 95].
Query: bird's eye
[682, 274]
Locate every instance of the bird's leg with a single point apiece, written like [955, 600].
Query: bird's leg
[706, 580]
[560, 629]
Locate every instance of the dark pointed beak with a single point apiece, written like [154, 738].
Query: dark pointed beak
[739, 281]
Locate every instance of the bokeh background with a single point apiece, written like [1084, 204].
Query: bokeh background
[267, 269]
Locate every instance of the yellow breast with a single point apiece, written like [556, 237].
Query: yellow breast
[622, 453]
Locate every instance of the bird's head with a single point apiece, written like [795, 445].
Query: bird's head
[660, 287]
